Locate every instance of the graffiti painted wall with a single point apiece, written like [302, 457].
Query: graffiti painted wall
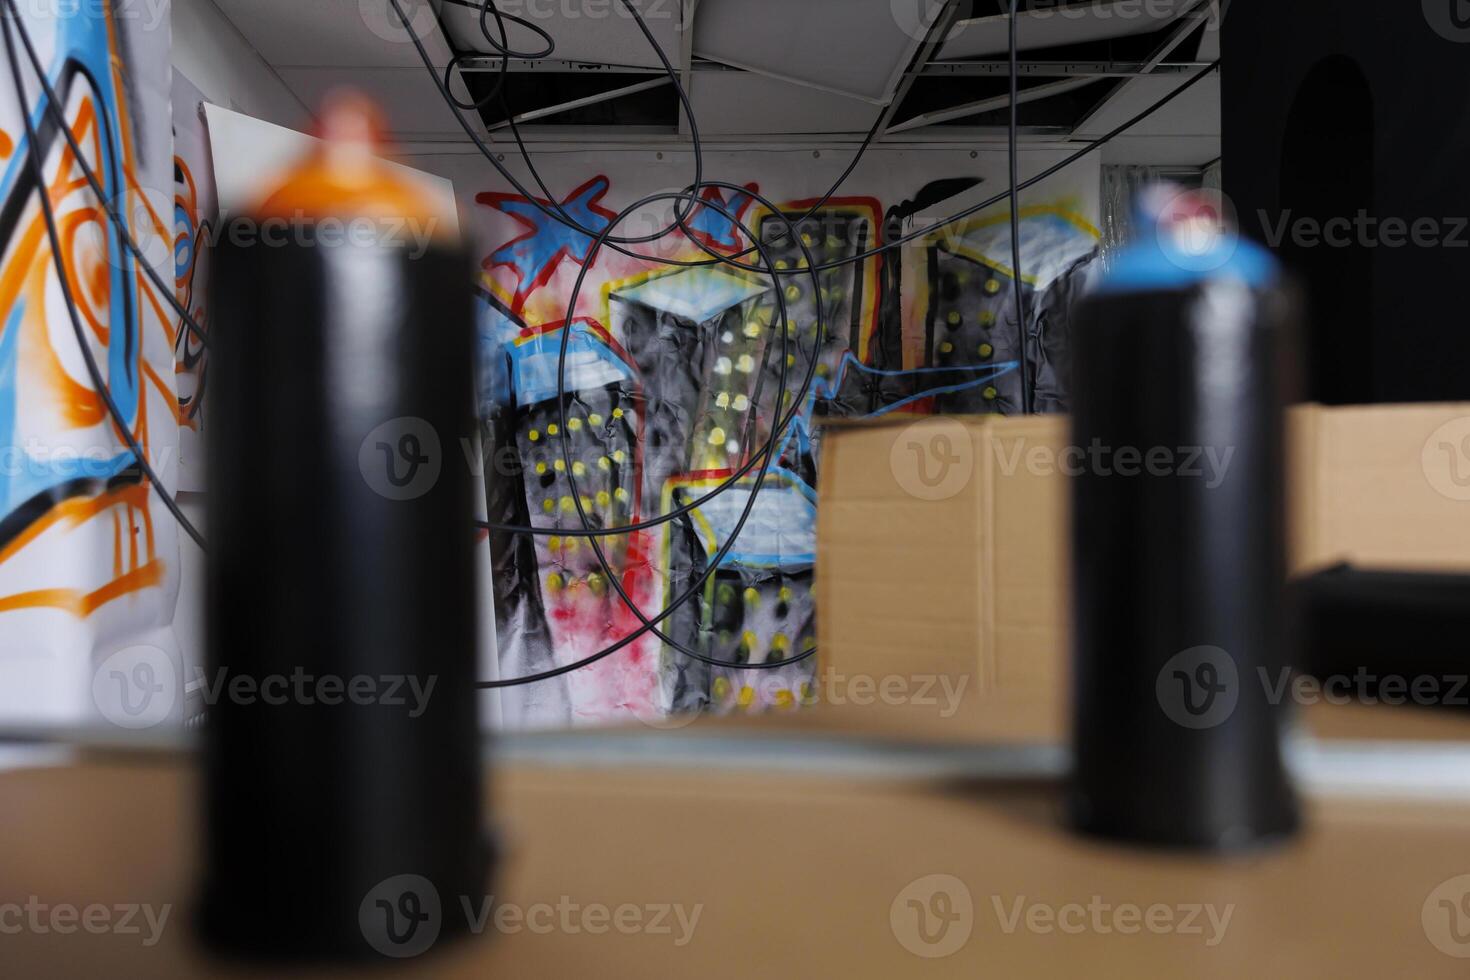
[88, 556]
[674, 380]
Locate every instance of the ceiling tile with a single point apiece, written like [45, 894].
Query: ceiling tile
[1052, 26]
[855, 47]
[335, 33]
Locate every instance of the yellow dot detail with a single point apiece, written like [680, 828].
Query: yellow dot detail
[747, 696]
[595, 419]
[946, 347]
[620, 495]
[554, 582]
[603, 498]
[752, 597]
[552, 430]
[784, 699]
[568, 504]
[579, 469]
[721, 688]
[986, 350]
[534, 435]
[559, 465]
[617, 413]
[954, 318]
[992, 286]
[540, 468]
[548, 505]
[717, 436]
[604, 464]
[618, 456]
[991, 394]
[722, 400]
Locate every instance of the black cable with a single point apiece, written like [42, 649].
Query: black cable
[503, 45]
[712, 565]
[1028, 404]
[38, 174]
[768, 457]
[602, 239]
[520, 188]
[726, 260]
[53, 106]
[691, 197]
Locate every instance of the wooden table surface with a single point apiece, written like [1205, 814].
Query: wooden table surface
[792, 877]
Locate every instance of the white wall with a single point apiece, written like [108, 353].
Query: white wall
[211, 53]
[217, 58]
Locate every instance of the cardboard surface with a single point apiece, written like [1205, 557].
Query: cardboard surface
[944, 543]
[942, 556]
[1383, 486]
[793, 878]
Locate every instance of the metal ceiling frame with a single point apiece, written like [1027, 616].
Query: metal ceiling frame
[1037, 92]
[1187, 22]
[925, 53]
[920, 62]
[582, 103]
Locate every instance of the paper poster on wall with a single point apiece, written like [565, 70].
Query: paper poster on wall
[89, 556]
[673, 385]
[195, 226]
[250, 157]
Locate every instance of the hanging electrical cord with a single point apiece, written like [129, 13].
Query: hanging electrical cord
[690, 197]
[714, 562]
[769, 456]
[553, 213]
[765, 457]
[38, 174]
[1013, 153]
[698, 150]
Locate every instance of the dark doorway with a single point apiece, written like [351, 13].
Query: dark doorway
[1327, 177]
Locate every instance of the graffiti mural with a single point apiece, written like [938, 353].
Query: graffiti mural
[195, 220]
[674, 382]
[88, 556]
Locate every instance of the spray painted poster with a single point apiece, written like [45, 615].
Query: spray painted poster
[195, 224]
[88, 555]
[674, 383]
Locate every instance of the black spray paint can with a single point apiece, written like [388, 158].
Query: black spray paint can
[1182, 368]
[342, 805]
